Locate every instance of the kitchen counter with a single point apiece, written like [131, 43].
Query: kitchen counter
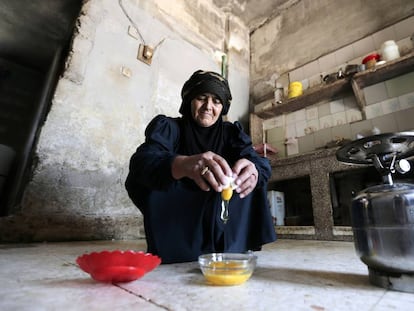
[290, 275]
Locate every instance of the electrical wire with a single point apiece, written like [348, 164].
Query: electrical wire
[131, 21]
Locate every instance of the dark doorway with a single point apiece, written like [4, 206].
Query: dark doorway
[34, 39]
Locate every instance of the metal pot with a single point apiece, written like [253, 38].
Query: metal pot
[383, 215]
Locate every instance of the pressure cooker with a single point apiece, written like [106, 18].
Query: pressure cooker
[382, 215]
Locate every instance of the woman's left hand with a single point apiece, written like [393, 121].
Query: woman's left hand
[247, 176]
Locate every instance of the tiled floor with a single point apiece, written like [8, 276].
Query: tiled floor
[290, 275]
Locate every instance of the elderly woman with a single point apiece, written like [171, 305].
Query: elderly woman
[176, 177]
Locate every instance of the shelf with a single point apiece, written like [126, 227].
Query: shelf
[309, 97]
[380, 73]
[331, 91]
[384, 72]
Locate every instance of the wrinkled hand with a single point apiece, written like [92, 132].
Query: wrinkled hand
[194, 167]
[247, 176]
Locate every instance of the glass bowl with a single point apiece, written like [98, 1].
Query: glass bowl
[227, 268]
[117, 266]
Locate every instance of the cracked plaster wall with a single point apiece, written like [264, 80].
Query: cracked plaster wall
[98, 115]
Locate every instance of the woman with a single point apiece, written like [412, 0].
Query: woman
[177, 174]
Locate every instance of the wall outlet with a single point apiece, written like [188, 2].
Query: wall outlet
[145, 53]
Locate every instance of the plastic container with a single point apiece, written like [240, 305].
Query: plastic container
[277, 207]
[389, 50]
[295, 89]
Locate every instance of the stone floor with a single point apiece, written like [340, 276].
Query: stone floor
[290, 275]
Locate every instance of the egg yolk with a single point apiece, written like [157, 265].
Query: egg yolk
[227, 193]
[237, 275]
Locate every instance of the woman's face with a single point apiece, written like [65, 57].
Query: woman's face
[206, 109]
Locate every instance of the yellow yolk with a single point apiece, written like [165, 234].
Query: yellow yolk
[227, 193]
[237, 275]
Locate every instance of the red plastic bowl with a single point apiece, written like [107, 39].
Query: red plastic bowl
[117, 266]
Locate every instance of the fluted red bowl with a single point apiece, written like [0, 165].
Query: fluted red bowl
[117, 266]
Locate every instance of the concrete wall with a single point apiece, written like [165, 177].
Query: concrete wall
[99, 114]
[310, 29]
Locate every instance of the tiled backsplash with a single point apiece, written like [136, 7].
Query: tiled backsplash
[390, 104]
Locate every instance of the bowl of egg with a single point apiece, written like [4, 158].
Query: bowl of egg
[227, 269]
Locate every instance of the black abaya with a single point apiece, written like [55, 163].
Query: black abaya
[182, 221]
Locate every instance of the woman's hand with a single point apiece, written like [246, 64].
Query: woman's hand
[247, 176]
[206, 169]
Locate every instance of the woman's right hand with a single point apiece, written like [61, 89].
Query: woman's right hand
[206, 169]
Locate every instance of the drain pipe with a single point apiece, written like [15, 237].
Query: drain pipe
[25, 163]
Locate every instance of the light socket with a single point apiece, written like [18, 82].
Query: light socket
[145, 53]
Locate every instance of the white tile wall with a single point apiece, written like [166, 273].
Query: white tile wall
[375, 93]
[350, 102]
[325, 122]
[311, 113]
[353, 115]
[364, 46]
[339, 118]
[290, 118]
[306, 144]
[390, 105]
[404, 119]
[278, 121]
[383, 35]
[344, 54]
[404, 28]
[292, 146]
[296, 74]
[374, 110]
[342, 118]
[291, 130]
[300, 115]
[337, 106]
[300, 128]
[363, 128]
[406, 101]
[342, 131]
[324, 110]
[327, 62]
[311, 69]
[315, 80]
[313, 125]
[400, 85]
[386, 124]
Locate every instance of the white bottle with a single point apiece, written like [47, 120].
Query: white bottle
[389, 50]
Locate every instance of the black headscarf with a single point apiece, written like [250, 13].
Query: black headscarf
[205, 82]
[195, 138]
